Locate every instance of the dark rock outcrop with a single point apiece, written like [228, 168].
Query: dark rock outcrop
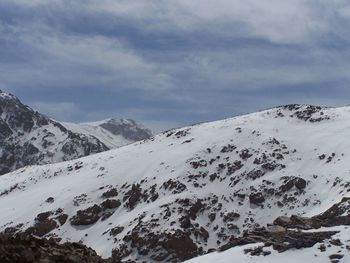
[280, 241]
[334, 216]
[28, 249]
[87, 216]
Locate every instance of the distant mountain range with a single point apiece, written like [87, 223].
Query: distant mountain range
[29, 138]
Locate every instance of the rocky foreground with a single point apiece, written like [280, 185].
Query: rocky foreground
[297, 232]
[28, 249]
[284, 234]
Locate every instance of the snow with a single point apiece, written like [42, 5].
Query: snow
[168, 156]
[32, 138]
[110, 140]
[6, 96]
[311, 255]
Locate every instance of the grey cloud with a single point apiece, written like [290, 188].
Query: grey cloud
[183, 61]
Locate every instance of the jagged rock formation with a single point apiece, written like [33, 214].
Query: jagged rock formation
[28, 137]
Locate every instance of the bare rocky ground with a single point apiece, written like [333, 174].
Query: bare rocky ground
[284, 234]
[28, 249]
[297, 232]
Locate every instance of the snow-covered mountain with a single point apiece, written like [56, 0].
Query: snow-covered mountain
[262, 187]
[28, 137]
[113, 133]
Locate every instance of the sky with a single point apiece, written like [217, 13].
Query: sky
[173, 63]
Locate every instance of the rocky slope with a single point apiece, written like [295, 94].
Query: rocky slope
[210, 187]
[28, 137]
[28, 249]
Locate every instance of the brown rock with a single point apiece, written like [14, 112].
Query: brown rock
[28, 249]
[110, 193]
[87, 217]
[110, 204]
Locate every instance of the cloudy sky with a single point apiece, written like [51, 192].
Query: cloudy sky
[171, 63]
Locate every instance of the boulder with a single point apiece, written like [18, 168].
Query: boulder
[87, 217]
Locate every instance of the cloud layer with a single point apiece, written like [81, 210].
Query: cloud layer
[173, 62]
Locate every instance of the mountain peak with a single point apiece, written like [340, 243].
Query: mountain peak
[8, 96]
[28, 137]
[128, 128]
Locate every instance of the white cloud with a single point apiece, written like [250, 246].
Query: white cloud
[198, 55]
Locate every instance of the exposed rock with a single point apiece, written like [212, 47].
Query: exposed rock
[276, 228]
[87, 216]
[257, 251]
[110, 204]
[282, 221]
[133, 196]
[46, 222]
[256, 198]
[27, 249]
[62, 219]
[120, 252]
[116, 230]
[50, 200]
[280, 241]
[180, 246]
[300, 183]
[174, 186]
[336, 256]
[232, 216]
[110, 193]
[331, 217]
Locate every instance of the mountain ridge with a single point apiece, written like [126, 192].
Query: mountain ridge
[28, 137]
[200, 185]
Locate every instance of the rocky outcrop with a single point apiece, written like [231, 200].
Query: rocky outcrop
[288, 232]
[46, 222]
[87, 216]
[280, 240]
[334, 216]
[174, 246]
[28, 249]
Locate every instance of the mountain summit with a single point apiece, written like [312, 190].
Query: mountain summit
[28, 137]
[113, 132]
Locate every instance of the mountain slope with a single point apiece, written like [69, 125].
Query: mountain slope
[28, 137]
[113, 133]
[325, 252]
[189, 191]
